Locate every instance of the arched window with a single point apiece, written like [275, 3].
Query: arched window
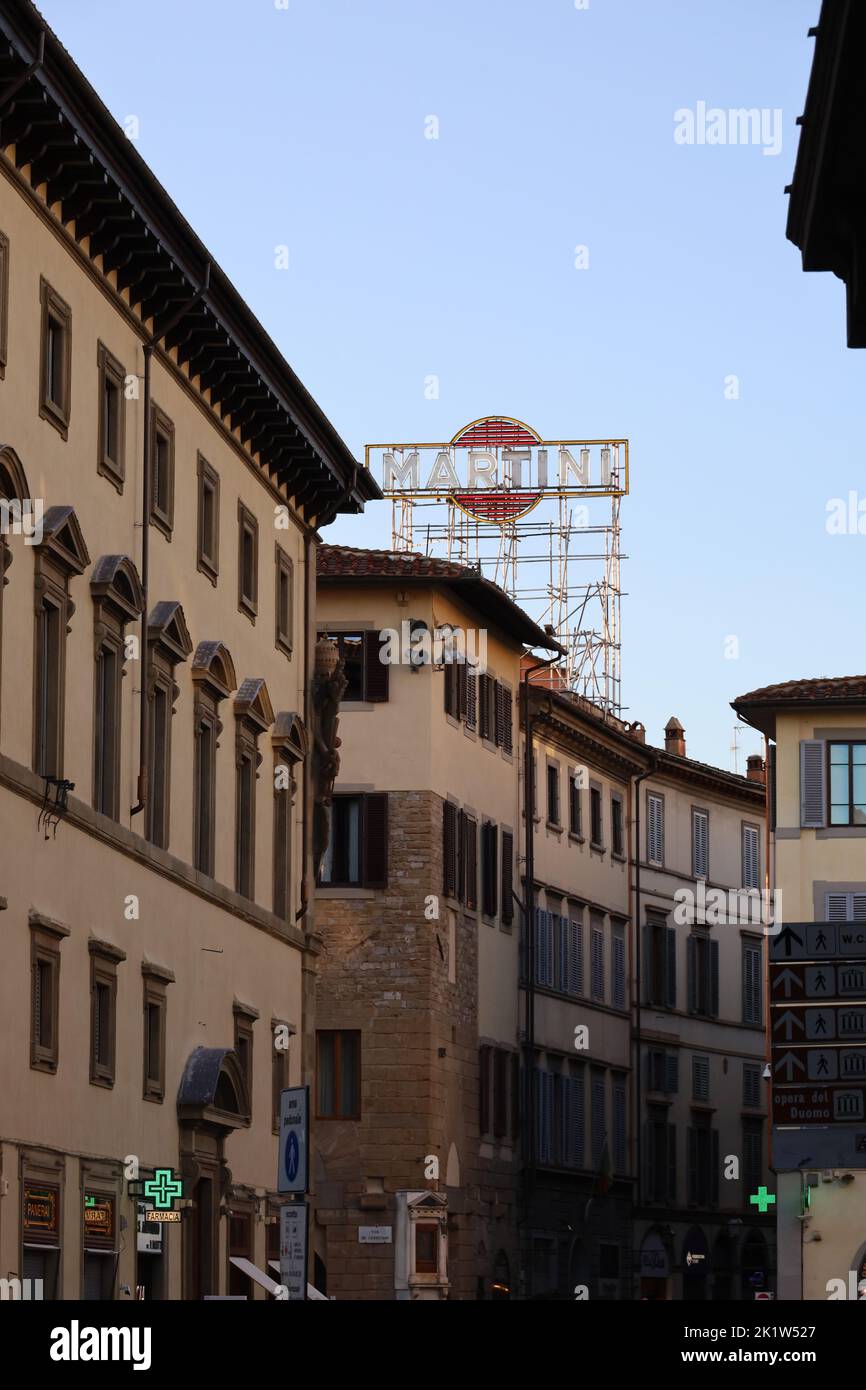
[117, 600]
[253, 714]
[213, 675]
[60, 555]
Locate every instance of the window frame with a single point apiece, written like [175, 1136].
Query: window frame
[161, 428]
[45, 941]
[248, 525]
[696, 813]
[659, 798]
[207, 560]
[596, 800]
[244, 1018]
[338, 1034]
[747, 827]
[284, 568]
[154, 995]
[617, 825]
[554, 811]
[104, 960]
[54, 308]
[111, 372]
[850, 823]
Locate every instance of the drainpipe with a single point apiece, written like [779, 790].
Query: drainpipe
[144, 713]
[638, 935]
[529, 927]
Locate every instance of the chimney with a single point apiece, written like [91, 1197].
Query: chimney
[675, 737]
[755, 769]
[636, 731]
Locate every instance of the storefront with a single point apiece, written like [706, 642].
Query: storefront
[99, 1246]
[40, 1231]
[655, 1268]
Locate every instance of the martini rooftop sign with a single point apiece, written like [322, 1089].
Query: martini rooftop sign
[497, 468]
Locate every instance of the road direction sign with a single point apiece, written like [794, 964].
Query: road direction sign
[819, 941]
[818, 1105]
[831, 1022]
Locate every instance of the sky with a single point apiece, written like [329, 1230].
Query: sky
[690, 329]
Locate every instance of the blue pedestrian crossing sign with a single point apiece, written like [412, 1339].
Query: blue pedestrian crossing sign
[293, 1161]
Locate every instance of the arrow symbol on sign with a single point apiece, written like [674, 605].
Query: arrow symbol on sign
[790, 1060]
[789, 935]
[786, 978]
[790, 1020]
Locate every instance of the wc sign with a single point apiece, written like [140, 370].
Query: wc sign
[294, 1149]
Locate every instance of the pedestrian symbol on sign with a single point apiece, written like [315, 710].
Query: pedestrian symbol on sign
[293, 1156]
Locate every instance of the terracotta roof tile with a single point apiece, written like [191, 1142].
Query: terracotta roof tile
[821, 690]
[340, 561]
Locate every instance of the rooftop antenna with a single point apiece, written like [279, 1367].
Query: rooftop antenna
[735, 748]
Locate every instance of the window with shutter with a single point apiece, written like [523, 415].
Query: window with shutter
[460, 668]
[452, 707]
[655, 848]
[812, 793]
[485, 727]
[544, 1087]
[575, 954]
[470, 840]
[376, 840]
[449, 849]
[553, 794]
[597, 961]
[752, 984]
[499, 714]
[845, 907]
[596, 830]
[751, 857]
[700, 1078]
[471, 698]
[574, 816]
[616, 825]
[544, 948]
[751, 1085]
[672, 1073]
[618, 968]
[375, 669]
[507, 908]
[670, 968]
[562, 925]
[700, 844]
[489, 845]
[507, 720]
[753, 1154]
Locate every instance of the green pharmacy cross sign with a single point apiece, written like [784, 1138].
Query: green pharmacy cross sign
[762, 1199]
[163, 1188]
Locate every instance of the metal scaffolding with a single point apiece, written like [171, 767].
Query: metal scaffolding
[560, 561]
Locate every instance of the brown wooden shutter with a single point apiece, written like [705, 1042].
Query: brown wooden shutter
[499, 714]
[507, 877]
[461, 857]
[449, 849]
[507, 719]
[484, 706]
[471, 699]
[451, 705]
[375, 670]
[489, 838]
[376, 840]
[461, 691]
[471, 862]
[483, 1090]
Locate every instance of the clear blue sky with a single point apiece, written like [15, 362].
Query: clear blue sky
[410, 257]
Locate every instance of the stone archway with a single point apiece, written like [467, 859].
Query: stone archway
[212, 1102]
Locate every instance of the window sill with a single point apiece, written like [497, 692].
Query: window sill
[597, 849]
[249, 610]
[576, 838]
[110, 471]
[554, 825]
[325, 892]
[619, 858]
[55, 417]
[162, 523]
[43, 1064]
[106, 1082]
[210, 571]
[356, 706]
